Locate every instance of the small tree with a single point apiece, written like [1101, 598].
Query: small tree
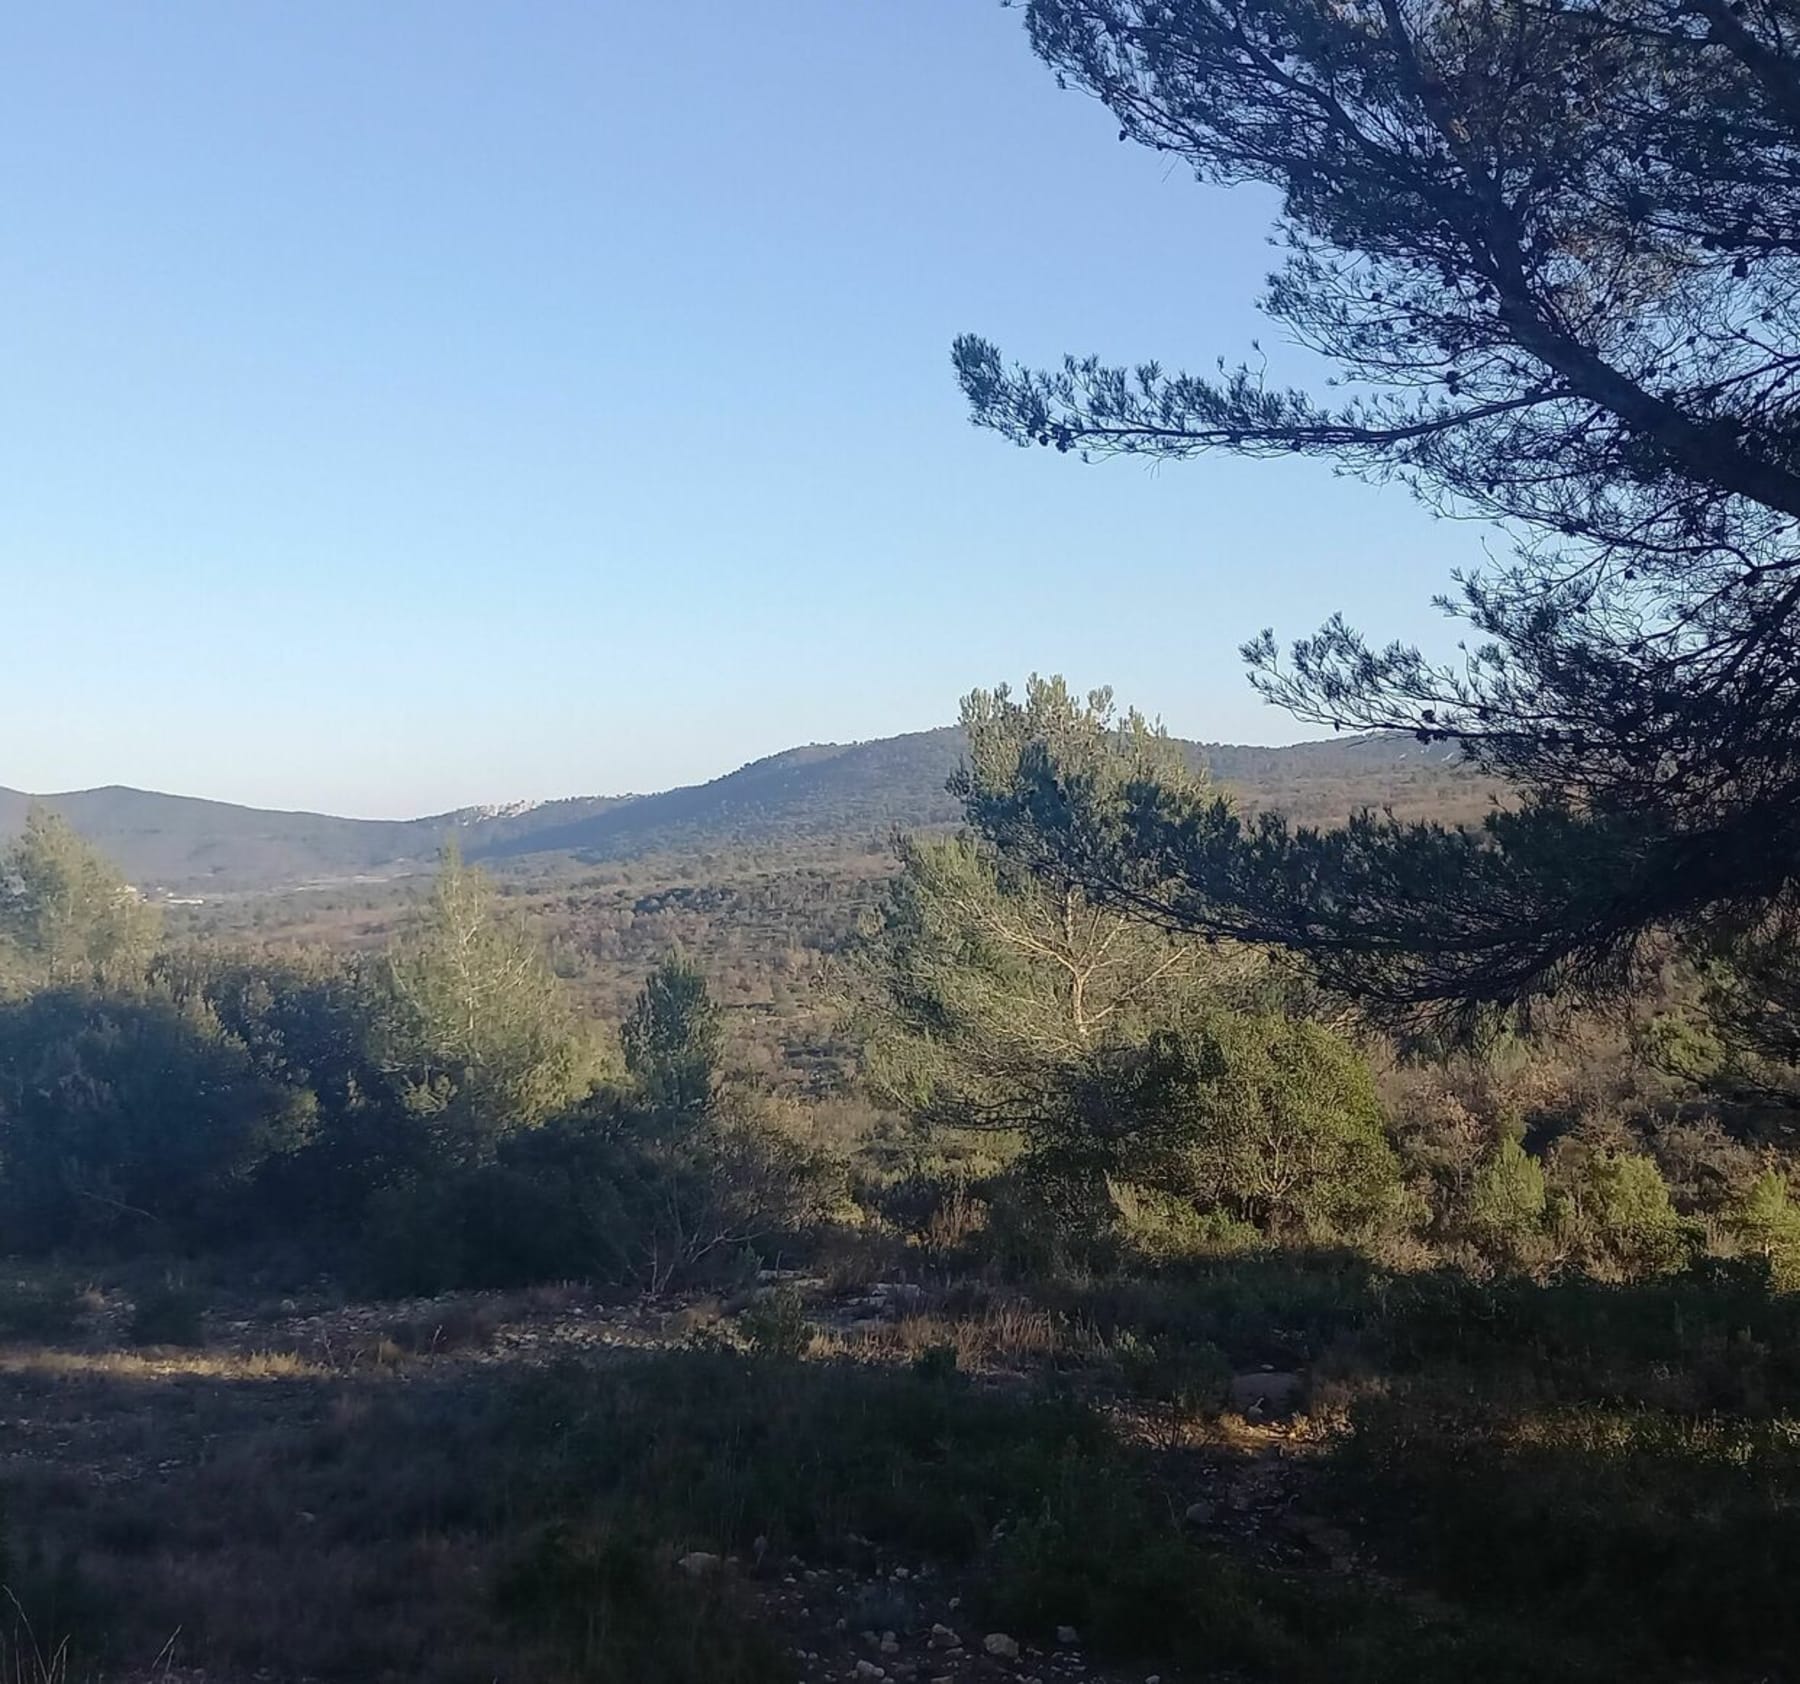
[478, 1025]
[980, 981]
[66, 916]
[1621, 1215]
[673, 1038]
[1509, 1198]
[1768, 1224]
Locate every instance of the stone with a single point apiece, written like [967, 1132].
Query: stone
[998, 1644]
[1068, 1636]
[868, 1669]
[697, 1564]
[1200, 1513]
[1267, 1392]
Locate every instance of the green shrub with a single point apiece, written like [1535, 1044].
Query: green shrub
[610, 1607]
[591, 1198]
[1767, 1223]
[129, 1118]
[776, 1326]
[1508, 1201]
[1154, 1227]
[1664, 1542]
[1271, 1122]
[1620, 1215]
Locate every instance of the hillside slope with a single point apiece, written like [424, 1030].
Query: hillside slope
[852, 791]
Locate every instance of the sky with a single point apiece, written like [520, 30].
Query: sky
[422, 404]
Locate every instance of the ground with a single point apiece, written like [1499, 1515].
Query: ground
[837, 1477]
[289, 1496]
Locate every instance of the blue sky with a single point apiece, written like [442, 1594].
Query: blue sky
[427, 403]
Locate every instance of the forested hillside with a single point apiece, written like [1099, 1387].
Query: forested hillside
[831, 792]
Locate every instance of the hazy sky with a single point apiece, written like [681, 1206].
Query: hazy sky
[413, 404]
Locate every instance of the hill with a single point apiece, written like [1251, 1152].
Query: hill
[849, 791]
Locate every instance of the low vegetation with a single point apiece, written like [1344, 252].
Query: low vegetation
[1154, 1310]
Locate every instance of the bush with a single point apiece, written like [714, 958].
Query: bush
[1768, 1224]
[1153, 1227]
[1270, 1122]
[1618, 1215]
[130, 1118]
[1508, 1201]
[776, 1326]
[167, 1315]
[593, 1198]
[610, 1606]
[37, 1311]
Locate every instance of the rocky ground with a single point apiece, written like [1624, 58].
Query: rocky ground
[92, 1410]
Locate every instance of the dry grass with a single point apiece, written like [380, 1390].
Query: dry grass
[152, 1365]
[1011, 1335]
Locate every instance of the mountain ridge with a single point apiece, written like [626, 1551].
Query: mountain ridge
[805, 794]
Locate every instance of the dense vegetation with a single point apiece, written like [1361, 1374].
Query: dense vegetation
[1137, 1178]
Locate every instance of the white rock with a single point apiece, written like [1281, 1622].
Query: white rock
[998, 1643]
[698, 1563]
[1067, 1636]
[1200, 1513]
[1269, 1392]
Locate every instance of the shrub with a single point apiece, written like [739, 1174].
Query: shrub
[1620, 1215]
[609, 1605]
[168, 1314]
[37, 1310]
[1271, 1122]
[592, 1198]
[1508, 1200]
[130, 1117]
[1149, 1226]
[776, 1326]
[1767, 1223]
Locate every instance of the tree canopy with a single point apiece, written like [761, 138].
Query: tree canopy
[66, 916]
[1551, 250]
[480, 1026]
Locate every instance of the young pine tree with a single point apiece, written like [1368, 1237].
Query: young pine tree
[673, 1039]
[67, 918]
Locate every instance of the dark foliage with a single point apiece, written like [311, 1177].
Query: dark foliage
[127, 1120]
[1553, 250]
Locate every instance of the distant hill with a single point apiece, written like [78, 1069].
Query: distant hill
[180, 841]
[847, 791]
